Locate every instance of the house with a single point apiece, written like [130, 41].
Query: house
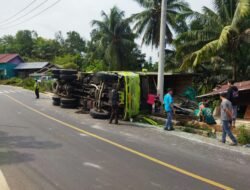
[7, 64]
[244, 96]
[24, 70]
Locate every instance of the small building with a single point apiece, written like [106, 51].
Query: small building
[7, 64]
[179, 82]
[244, 96]
[24, 70]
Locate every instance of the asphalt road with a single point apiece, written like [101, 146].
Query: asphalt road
[49, 148]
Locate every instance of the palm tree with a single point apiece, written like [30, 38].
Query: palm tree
[147, 22]
[205, 27]
[115, 37]
[227, 42]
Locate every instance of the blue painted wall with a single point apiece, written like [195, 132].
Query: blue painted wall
[7, 69]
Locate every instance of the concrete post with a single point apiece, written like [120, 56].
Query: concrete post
[160, 83]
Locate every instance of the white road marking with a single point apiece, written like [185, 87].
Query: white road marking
[92, 165]
[98, 127]
[10, 91]
[3, 183]
[83, 135]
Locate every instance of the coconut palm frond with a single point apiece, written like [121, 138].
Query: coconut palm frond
[242, 13]
[204, 54]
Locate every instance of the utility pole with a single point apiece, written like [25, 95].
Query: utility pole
[160, 81]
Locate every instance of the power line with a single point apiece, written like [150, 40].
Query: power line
[20, 17]
[13, 16]
[30, 18]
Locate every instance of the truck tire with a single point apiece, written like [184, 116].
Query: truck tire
[56, 100]
[69, 101]
[69, 106]
[68, 77]
[68, 72]
[55, 87]
[56, 103]
[99, 115]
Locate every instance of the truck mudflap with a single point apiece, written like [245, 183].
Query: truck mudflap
[132, 94]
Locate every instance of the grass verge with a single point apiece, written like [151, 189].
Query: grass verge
[28, 83]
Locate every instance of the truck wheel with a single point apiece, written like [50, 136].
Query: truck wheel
[56, 103]
[55, 87]
[68, 72]
[69, 106]
[69, 101]
[68, 77]
[56, 100]
[103, 114]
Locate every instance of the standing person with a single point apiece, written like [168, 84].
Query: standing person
[169, 107]
[114, 104]
[226, 111]
[232, 96]
[36, 86]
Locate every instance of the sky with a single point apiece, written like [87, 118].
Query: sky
[67, 15]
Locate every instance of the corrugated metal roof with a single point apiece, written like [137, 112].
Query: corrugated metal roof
[5, 58]
[242, 86]
[33, 65]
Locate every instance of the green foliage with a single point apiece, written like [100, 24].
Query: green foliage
[114, 41]
[147, 22]
[45, 49]
[74, 43]
[28, 83]
[13, 81]
[227, 41]
[96, 65]
[67, 61]
[32, 47]
[244, 135]
[46, 86]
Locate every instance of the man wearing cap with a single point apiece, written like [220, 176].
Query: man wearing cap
[226, 112]
[168, 104]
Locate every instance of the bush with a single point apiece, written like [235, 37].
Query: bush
[46, 86]
[244, 135]
[28, 83]
[13, 81]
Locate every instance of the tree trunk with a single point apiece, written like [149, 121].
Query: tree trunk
[234, 65]
[234, 70]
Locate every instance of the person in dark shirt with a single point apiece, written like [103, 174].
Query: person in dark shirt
[232, 96]
[114, 104]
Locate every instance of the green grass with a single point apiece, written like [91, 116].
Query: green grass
[244, 135]
[28, 83]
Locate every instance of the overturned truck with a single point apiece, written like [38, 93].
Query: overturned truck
[91, 91]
